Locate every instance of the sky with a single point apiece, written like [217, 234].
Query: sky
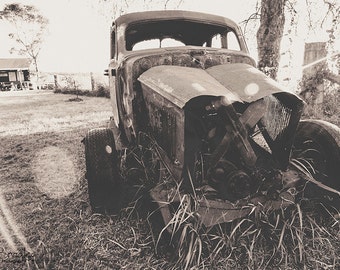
[78, 39]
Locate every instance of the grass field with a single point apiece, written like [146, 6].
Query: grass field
[46, 221]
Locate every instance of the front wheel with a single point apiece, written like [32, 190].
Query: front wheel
[317, 149]
[104, 181]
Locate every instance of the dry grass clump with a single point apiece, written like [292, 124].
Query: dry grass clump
[293, 238]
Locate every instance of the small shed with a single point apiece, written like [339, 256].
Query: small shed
[14, 73]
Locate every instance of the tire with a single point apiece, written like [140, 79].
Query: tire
[317, 147]
[104, 181]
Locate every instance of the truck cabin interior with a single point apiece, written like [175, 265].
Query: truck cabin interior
[179, 32]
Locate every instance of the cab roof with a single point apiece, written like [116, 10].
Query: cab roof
[173, 15]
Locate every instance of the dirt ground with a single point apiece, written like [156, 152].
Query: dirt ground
[45, 218]
[42, 173]
[25, 114]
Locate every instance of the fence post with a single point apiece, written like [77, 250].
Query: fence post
[313, 52]
[93, 84]
[55, 81]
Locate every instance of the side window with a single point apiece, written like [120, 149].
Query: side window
[228, 40]
[113, 43]
[233, 43]
[216, 41]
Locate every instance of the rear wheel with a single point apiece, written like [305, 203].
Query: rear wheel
[104, 181]
[317, 148]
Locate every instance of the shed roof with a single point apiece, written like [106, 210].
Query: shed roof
[14, 63]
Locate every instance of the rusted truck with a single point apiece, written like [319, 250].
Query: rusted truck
[186, 93]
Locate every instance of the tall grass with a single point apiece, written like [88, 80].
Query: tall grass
[290, 238]
[305, 235]
[188, 236]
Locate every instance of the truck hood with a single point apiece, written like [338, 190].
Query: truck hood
[237, 82]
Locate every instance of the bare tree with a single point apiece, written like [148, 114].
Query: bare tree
[29, 28]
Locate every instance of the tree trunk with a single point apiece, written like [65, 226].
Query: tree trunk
[269, 35]
[35, 63]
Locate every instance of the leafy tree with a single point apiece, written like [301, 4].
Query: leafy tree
[28, 29]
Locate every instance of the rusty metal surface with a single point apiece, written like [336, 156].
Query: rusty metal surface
[279, 125]
[237, 82]
[180, 84]
[216, 211]
[167, 127]
[237, 135]
[246, 81]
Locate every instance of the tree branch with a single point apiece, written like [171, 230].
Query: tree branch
[253, 17]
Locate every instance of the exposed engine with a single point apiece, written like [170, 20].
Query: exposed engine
[228, 159]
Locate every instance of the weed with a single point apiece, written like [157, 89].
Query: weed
[188, 235]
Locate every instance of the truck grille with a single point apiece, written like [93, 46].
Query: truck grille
[277, 117]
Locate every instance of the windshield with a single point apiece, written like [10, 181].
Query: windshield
[174, 33]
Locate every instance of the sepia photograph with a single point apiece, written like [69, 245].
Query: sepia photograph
[169, 134]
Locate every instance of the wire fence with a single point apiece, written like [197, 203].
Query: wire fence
[73, 81]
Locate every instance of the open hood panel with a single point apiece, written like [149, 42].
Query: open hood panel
[245, 81]
[180, 84]
[237, 82]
